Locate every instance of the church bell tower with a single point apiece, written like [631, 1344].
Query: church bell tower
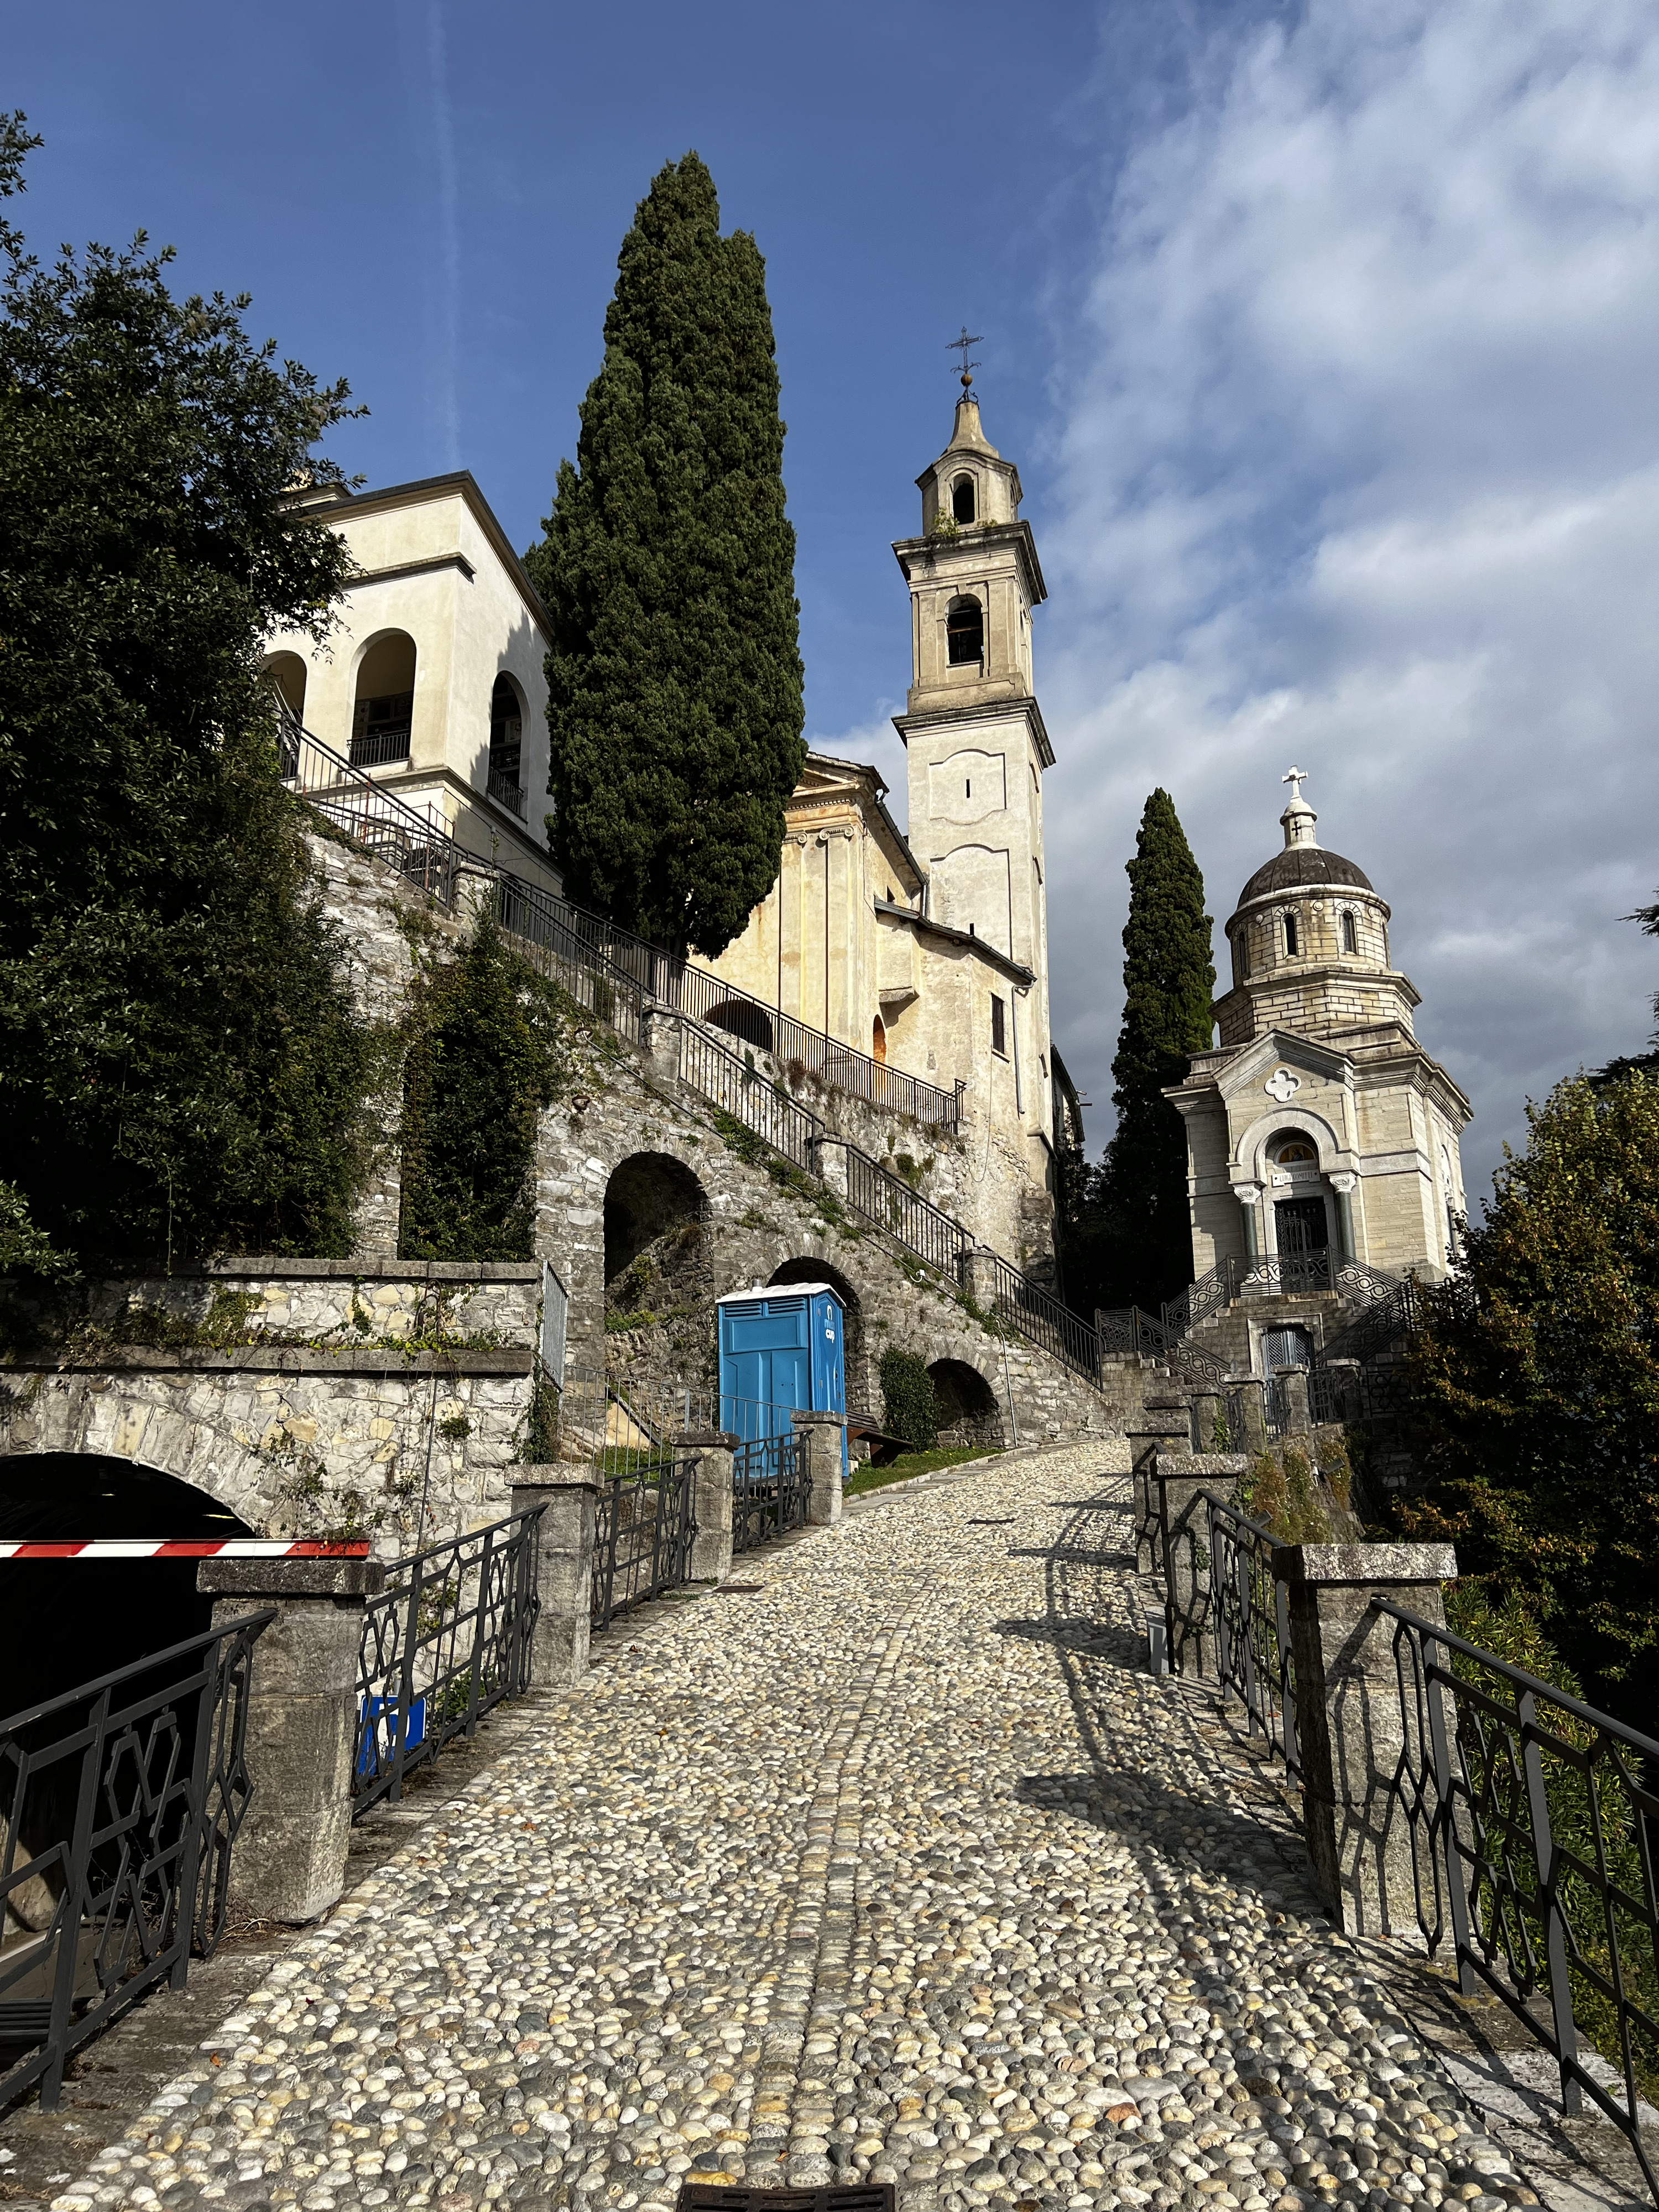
[973, 732]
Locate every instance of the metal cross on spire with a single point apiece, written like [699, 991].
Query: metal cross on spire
[1295, 779]
[962, 345]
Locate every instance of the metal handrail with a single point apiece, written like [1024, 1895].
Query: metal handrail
[644, 1525]
[912, 1220]
[1534, 1820]
[312, 767]
[449, 1638]
[120, 1801]
[771, 1489]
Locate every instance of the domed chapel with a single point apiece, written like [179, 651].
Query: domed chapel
[1318, 1125]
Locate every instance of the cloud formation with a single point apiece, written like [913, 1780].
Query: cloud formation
[1357, 466]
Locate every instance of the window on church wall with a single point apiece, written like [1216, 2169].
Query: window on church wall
[964, 631]
[963, 504]
[505, 743]
[383, 711]
[1292, 937]
[999, 1026]
[1242, 955]
[1350, 934]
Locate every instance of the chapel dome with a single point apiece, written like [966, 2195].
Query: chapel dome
[1303, 865]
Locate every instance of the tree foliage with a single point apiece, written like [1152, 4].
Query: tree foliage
[483, 1061]
[1125, 1226]
[674, 677]
[180, 1065]
[1539, 1368]
[1648, 1062]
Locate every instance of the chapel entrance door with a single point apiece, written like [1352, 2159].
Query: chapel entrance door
[1303, 1237]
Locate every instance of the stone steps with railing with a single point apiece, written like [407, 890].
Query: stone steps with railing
[681, 1017]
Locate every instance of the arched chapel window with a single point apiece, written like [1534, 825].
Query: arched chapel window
[1295, 1148]
[964, 631]
[961, 499]
[1290, 937]
[506, 745]
[383, 711]
[1350, 934]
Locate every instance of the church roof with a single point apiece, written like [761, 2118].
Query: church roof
[1303, 865]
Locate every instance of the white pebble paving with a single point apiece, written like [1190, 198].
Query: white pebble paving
[901, 1869]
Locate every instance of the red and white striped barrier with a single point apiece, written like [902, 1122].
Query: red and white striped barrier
[183, 1547]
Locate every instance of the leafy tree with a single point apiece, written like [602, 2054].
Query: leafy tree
[674, 677]
[1125, 1227]
[1539, 1368]
[180, 1065]
[484, 1059]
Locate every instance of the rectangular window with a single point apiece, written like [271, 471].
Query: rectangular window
[1290, 936]
[999, 1026]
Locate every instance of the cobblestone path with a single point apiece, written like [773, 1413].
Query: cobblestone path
[899, 1866]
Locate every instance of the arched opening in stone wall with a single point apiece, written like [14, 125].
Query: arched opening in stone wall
[656, 1240]
[383, 711]
[967, 1406]
[744, 1021]
[858, 1399]
[70, 1620]
[286, 674]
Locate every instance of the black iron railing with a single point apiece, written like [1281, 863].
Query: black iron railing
[1277, 1274]
[1130, 1329]
[1045, 1319]
[1249, 1612]
[642, 1539]
[740, 1089]
[507, 791]
[915, 1221]
[448, 1639]
[379, 748]
[1534, 1828]
[1390, 1320]
[771, 1488]
[120, 1806]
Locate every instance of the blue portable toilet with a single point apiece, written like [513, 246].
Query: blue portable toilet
[782, 1350]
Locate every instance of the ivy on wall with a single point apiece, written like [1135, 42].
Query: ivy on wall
[487, 1053]
[909, 1407]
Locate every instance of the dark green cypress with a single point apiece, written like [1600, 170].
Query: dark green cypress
[675, 677]
[1131, 1244]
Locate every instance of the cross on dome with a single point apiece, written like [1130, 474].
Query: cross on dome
[1295, 779]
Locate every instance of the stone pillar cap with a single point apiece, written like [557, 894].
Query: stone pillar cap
[804, 1419]
[223, 1577]
[723, 1438]
[552, 1474]
[1365, 1566]
[1180, 1467]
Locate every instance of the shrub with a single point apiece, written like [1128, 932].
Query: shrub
[909, 1409]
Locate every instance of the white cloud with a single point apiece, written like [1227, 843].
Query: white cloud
[1357, 467]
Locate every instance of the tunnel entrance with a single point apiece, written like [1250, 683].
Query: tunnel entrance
[70, 1620]
[967, 1406]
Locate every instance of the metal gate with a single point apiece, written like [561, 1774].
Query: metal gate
[770, 1489]
[642, 1539]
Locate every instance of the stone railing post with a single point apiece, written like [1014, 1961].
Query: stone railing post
[289, 1859]
[1206, 1412]
[1345, 1376]
[1349, 1724]
[823, 1433]
[660, 1035]
[711, 1502]
[976, 1271]
[1164, 1425]
[564, 1572]
[830, 1165]
[1253, 1415]
[1295, 1380]
[1177, 1482]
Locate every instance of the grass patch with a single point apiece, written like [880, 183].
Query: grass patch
[910, 1463]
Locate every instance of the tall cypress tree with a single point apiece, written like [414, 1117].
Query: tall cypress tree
[674, 677]
[1131, 1238]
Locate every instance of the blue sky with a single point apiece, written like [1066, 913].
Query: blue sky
[1324, 338]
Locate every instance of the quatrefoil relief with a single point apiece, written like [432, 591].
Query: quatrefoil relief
[1282, 1084]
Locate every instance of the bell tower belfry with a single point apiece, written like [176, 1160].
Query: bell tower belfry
[973, 732]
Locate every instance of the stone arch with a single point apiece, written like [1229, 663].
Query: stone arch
[968, 1409]
[286, 673]
[507, 718]
[964, 630]
[742, 1018]
[656, 1242]
[804, 1269]
[964, 498]
[1250, 1152]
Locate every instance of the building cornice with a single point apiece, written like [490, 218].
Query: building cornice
[969, 539]
[924, 926]
[458, 483]
[988, 710]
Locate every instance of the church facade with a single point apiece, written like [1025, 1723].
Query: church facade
[1318, 1123]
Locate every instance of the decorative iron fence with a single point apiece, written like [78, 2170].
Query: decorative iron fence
[119, 1807]
[1128, 1329]
[642, 1539]
[507, 791]
[1390, 1319]
[448, 1639]
[1275, 1275]
[1249, 1610]
[1534, 1828]
[1038, 1314]
[759, 1102]
[770, 1489]
[905, 1214]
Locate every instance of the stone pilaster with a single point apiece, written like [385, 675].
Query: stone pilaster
[570, 1496]
[823, 1433]
[1177, 1483]
[711, 1502]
